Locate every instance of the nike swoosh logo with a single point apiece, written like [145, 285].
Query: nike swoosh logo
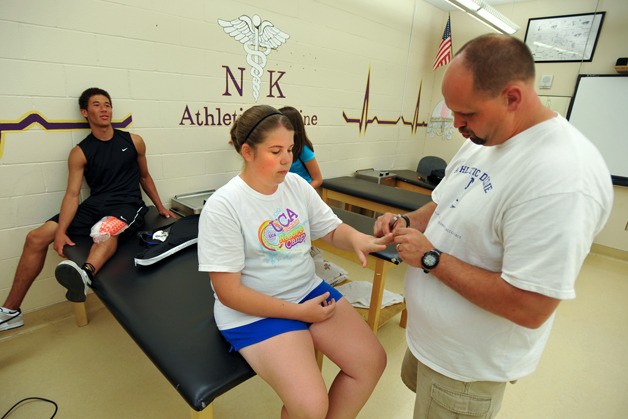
[125, 149]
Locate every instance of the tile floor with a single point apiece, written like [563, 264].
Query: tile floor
[98, 372]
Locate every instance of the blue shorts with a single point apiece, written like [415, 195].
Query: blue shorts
[240, 337]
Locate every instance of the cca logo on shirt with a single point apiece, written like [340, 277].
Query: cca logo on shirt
[285, 231]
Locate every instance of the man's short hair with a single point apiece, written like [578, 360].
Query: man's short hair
[496, 60]
[88, 93]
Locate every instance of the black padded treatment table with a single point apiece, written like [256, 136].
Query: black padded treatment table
[370, 195]
[413, 181]
[183, 341]
[185, 346]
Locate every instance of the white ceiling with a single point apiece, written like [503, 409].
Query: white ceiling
[443, 5]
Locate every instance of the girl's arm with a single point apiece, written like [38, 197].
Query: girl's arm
[315, 172]
[348, 238]
[232, 293]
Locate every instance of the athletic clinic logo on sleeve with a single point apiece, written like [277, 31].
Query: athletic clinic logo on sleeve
[258, 38]
[285, 231]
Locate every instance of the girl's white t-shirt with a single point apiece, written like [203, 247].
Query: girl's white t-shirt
[267, 238]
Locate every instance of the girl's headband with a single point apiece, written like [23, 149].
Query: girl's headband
[259, 122]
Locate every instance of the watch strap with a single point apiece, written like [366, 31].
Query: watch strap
[438, 253]
[397, 217]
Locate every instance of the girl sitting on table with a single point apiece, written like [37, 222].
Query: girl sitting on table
[255, 234]
[305, 165]
[304, 162]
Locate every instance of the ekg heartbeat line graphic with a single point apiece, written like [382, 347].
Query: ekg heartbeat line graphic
[35, 118]
[363, 121]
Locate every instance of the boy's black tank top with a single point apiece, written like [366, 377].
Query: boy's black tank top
[112, 172]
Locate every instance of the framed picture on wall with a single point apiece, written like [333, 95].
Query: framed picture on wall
[569, 38]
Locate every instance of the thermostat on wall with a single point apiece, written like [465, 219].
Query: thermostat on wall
[546, 81]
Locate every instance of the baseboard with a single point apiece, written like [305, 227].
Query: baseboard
[36, 319]
[610, 251]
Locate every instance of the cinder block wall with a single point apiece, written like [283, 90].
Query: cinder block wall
[168, 64]
[181, 78]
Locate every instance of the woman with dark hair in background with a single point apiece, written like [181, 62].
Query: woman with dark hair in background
[304, 162]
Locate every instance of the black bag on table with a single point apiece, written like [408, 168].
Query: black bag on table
[183, 233]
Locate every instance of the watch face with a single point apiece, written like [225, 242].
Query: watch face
[430, 259]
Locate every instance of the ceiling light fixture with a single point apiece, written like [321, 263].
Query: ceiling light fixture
[486, 14]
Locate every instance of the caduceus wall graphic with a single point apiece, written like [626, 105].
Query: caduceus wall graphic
[258, 38]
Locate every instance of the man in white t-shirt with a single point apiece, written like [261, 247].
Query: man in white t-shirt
[504, 238]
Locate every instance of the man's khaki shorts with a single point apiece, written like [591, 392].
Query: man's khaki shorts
[441, 397]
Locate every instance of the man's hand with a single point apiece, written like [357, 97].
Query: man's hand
[61, 239]
[384, 224]
[411, 245]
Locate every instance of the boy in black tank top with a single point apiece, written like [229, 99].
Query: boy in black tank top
[114, 165]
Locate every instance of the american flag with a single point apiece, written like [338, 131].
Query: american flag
[444, 50]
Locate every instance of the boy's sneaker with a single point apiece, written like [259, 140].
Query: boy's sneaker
[74, 278]
[10, 319]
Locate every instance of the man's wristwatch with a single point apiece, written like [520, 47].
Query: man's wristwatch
[430, 260]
